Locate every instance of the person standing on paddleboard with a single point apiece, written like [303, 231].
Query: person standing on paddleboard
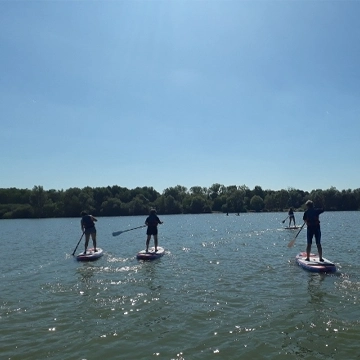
[291, 217]
[88, 227]
[152, 222]
[311, 218]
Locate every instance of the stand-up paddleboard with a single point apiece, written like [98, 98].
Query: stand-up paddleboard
[151, 254]
[292, 227]
[90, 255]
[315, 265]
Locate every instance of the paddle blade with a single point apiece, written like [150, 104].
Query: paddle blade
[116, 233]
[291, 243]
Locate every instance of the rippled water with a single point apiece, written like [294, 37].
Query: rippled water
[227, 288]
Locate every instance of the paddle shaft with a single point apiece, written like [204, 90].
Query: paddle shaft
[285, 219]
[78, 243]
[116, 233]
[292, 242]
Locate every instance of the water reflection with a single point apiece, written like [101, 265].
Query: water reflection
[149, 272]
[86, 272]
[315, 289]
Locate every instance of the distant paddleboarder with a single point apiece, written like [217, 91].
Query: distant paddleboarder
[311, 217]
[291, 217]
[88, 227]
[152, 222]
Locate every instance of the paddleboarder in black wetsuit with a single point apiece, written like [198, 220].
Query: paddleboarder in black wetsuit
[88, 227]
[152, 222]
[291, 217]
[311, 217]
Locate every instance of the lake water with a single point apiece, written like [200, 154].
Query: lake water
[227, 288]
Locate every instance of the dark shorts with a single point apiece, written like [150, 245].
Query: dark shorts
[311, 232]
[152, 230]
[91, 230]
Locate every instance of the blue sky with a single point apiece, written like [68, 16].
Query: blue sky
[191, 93]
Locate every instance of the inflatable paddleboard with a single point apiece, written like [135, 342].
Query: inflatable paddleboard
[315, 265]
[151, 254]
[90, 255]
[292, 227]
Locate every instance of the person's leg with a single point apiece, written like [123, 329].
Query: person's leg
[93, 237]
[147, 242]
[318, 244]
[156, 242]
[87, 237]
[309, 236]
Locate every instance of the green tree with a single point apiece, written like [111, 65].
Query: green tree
[235, 201]
[172, 206]
[198, 190]
[53, 209]
[199, 205]
[332, 199]
[317, 196]
[22, 211]
[348, 201]
[219, 203]
[295, 198]
[138, 206]
[214, 191]
[258, 191]
[37, 200]
[257, 203]
[282, 199]
[270, 201]
[72, 204]
[178, 192]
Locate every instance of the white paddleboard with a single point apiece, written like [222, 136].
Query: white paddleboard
[90, 255]
[151, 254]
[314, 264]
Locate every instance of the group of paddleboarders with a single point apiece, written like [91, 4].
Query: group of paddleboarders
[88, 228]
[311, 219]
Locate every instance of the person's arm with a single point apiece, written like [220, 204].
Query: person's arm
[82, 225]
[93, 218]
[305, 218]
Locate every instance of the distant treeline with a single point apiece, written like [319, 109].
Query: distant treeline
[119, 201]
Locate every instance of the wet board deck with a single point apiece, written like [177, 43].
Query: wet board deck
[151, 254]
[292, 227]
[90, 255]
[315, 265]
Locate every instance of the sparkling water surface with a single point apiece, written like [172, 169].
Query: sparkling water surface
[228, 287]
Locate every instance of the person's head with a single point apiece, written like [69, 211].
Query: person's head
[291, 209]
[309, 204]
[83, 213]
[152, 212]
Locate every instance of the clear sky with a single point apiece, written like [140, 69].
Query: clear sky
[191, 93]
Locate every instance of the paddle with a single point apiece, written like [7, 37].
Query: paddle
[116, 233]
[285, 219]
[78, 243]
[292, 242]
